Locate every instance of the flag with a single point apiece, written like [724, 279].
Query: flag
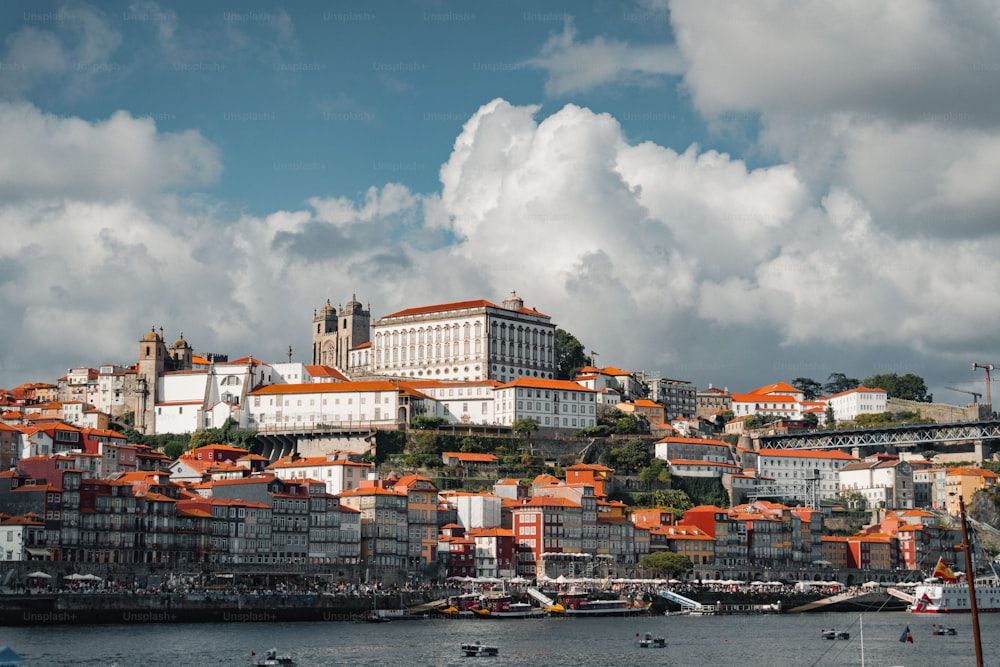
[944, 573]
[906, 636]
[922, 603]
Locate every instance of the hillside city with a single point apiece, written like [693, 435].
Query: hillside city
[468, 439]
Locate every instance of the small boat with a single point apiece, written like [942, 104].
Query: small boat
[478, 649]
[272, 659]
[649, 641]
[835, 634]
[941, 630]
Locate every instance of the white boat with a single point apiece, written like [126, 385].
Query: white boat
[941, 630]
[272, 659]
[477, 649]
[835, 634]
[649, 641]
[941, 598]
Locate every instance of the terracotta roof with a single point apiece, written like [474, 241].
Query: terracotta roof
[539, 383]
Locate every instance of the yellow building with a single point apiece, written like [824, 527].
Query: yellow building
[963, 483]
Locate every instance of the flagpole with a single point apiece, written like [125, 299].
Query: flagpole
[970, 578]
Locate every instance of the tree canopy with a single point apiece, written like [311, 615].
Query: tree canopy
[570, 354]
[666, 563]
[838, 382]
[909, 387]
[810, 388]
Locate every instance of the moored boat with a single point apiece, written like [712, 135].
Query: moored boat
[835, 634]
[582, 604]
[649, 641]
[941, 598]
[941, 630]
[478, 649]
[504, 606]
[272, 659]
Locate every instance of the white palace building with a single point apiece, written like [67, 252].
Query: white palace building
[471, 362]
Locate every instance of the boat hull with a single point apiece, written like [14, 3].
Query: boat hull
[954, 599]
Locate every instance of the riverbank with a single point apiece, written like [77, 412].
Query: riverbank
[129, 608]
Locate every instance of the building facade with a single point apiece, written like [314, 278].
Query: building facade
[466, 341]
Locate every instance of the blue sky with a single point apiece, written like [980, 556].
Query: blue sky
[735, 195]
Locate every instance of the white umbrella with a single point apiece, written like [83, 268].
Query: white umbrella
[75, 577]
[91, 577]
[39, 575]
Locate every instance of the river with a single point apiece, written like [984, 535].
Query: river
[722, 641]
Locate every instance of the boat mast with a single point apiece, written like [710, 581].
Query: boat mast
[970, 578]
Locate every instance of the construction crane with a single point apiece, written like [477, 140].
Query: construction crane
[987, 368]
[975, 394]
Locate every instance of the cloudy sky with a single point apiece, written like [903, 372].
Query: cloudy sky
[726, 193]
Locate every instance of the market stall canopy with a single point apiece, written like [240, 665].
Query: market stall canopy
[39, 575]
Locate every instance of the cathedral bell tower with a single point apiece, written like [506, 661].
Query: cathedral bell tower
[324, 336]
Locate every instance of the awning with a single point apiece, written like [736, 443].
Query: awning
[35, 551]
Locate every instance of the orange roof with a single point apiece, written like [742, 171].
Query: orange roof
[471, 457]
[548, 501]
[779, 387]
[763, 398]
[857, 390]
[336, 387]
[539, 383]
[307, 461]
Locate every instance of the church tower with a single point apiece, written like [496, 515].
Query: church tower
[152, 362]
[355, 329]
[324, 336]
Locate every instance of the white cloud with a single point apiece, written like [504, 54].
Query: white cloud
[122, 156]
[78, 48]
[575, 67]
[686, 248]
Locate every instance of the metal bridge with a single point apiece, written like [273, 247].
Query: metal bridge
[910, 435]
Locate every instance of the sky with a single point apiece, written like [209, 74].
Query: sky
[732, 194]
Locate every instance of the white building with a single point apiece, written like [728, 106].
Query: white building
[885, 484]
[552, 403]
[475, 510]
[466, 341]
[376, 403]
[847, 405]
[22, 538]
[339, 474]
[801, 471]
[460, 402]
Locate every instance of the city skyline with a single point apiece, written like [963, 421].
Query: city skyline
[733, 196]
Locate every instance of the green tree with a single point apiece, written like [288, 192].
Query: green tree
[174, 448]
[909, 387]
[831, 419]
[653, 472]
[428, 422]
[838, 382]
[570, 354]
[672, 499]
[666, 563]
[810, 388]
[627, 424]
[525, 426]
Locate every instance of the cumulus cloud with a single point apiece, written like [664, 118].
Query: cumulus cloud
[123, 156]
[893, 102]
[655, 258]
[575, 66]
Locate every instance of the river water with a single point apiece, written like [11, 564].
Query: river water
[722, 641]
